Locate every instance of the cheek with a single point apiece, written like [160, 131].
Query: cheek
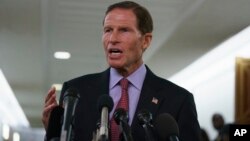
[135, 53]
[104, 41]
[138, 48]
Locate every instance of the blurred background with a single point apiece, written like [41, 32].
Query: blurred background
[195, 44]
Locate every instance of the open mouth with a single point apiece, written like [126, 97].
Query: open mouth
[115, 51]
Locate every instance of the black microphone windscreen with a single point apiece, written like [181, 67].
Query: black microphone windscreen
[105, 101]
[166, 126]
[55, 123]
[144, 117]
[71, 92]
[120, 115]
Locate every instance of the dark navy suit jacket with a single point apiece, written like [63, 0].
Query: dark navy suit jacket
[171, 98]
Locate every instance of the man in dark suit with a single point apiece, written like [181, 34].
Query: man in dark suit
[127, 33]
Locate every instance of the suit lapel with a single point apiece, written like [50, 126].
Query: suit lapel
[150, 98]
[104, 82]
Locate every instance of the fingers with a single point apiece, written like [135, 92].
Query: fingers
[50, 104]
[46, 114]
[47, 110]
[51, 92]
[51, 100]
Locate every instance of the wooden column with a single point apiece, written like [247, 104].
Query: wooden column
[242, 96]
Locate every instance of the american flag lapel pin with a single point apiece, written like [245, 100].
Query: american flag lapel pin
[154, 100]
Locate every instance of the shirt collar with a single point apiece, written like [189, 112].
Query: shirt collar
[136, 78]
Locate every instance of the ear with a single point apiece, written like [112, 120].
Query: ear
[147, 40]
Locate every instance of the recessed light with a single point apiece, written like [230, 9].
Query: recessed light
[16, 136]
[58, 87]
[5, 131]
[62, 55]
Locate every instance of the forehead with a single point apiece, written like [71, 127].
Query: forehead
[120, 15]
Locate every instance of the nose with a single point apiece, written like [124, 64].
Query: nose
[113, 38]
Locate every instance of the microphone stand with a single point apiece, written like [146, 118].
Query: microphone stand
[55, 139]
[148, 133]
[145, 120]
[121, 118]
[70, 100]
[173, 138]
[126, 131]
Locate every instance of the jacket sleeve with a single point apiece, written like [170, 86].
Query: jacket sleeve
[188, 123]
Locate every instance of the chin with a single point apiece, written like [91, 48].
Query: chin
[116, 66]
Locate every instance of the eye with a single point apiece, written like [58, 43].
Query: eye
[107, 30]
[124, 29]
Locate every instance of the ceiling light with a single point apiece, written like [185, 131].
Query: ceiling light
[62, 55]
[58, 87]
[16, 136]
[6, 132]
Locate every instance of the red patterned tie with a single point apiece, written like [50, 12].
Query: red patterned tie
[123, 103]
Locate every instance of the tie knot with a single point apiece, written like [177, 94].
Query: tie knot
[124, 83]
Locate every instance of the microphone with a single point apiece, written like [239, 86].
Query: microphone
[121, 118]
[70, 100]
[54, 124]
[145, 120]
[105, 105]
[96, 134]
[55, 139]
[166, 128]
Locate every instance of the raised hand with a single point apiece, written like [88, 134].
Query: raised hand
[50, 103]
